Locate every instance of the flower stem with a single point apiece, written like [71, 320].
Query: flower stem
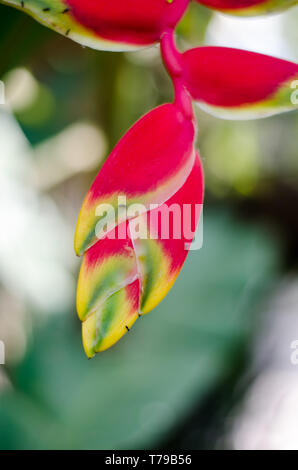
[172, 59]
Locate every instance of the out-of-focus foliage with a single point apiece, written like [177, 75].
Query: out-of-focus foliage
[134, 395]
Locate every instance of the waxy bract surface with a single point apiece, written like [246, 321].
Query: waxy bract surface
[122, 278]
[237, 84]
[106, 24]
[146, 167]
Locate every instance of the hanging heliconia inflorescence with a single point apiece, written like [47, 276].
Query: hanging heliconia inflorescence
[128, 264]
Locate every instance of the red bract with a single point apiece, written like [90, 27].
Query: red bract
[146, 167]
[106, 24]
[123, 278]
[138, 22]
[236, 82]
[248, 7]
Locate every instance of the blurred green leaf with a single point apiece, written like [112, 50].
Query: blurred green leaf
[134, 394]
[20, 38]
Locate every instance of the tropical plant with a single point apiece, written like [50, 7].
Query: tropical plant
[129, 265]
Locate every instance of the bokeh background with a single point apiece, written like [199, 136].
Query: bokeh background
[215, 365]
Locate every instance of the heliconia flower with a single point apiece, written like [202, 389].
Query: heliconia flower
[106, 24]
[146, 167]
[133, 257]
[238, 84]
[121, 279]
[248, 7]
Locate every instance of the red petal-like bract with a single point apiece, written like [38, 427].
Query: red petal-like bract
[121, 279]
[126, 270]
[146, 167]
[237, 83]
[248, 7]
[138, 22]
[106, 24]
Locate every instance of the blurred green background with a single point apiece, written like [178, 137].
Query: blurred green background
[211, 366]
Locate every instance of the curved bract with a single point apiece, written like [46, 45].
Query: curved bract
[132, 257]
[106, 24]
[139, 22]
[107, 266]
[129, 271]
[248, 7]
[237, 84]
[104, 327]
[170, 230]
[146, 167]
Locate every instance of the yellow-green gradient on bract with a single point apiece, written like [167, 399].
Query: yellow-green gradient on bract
[103, 328]
[109, 265]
